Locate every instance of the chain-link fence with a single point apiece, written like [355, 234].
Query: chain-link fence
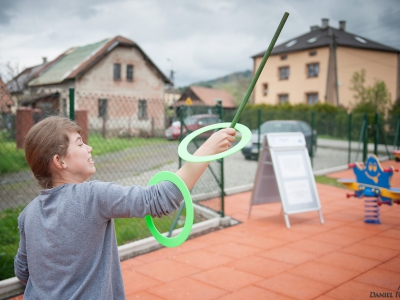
[355, 135]
[129, 147]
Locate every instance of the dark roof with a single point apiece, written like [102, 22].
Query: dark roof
[19, 83]
[78, 60]
[322, 37]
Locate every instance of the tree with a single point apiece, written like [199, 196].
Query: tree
[369, 99]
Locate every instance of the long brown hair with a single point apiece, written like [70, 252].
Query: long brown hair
[47, 138]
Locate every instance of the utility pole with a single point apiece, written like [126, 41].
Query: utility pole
[332, 68]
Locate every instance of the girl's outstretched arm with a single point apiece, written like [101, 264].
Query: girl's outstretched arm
[218, 142]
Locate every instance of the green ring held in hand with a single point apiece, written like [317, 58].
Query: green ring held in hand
[185, 155]
[183, 235]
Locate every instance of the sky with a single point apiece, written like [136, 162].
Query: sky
[199, 40]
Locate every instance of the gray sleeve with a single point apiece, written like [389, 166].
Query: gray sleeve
[20, 261]
[115, 201]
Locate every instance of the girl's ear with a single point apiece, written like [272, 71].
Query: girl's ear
[58, 163]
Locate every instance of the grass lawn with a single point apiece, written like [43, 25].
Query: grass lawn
[9, 241]
[11, 158]
[101, 145]
[328, 180]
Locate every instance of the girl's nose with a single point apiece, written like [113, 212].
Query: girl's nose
[89, 148]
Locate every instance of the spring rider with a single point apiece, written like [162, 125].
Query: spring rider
[372, 183]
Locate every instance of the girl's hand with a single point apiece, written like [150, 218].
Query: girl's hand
[218, 142]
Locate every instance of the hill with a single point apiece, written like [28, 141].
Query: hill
[236, 83]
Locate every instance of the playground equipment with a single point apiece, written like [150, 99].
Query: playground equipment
[372, 183]
[396, 154]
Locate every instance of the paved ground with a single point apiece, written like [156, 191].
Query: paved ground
[260, 258]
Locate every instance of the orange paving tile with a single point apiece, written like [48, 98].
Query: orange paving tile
[260, 258]
[295, 287]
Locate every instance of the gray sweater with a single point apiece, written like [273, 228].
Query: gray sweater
[68, 247]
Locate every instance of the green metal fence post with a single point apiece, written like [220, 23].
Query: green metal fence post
[396, 137]
[365, 138]
[182, 112]
[312, 135]
[259, 132]
[376, 132]
[350, 130]
[72, 103]
[222, 183]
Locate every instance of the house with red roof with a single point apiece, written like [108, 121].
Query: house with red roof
[318, 67]
[203, 96]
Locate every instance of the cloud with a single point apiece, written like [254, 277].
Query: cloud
[203, 39]
[7, 11]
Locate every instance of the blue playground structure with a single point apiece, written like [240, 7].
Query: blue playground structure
[372, 183]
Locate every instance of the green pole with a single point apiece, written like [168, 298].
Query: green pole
[349, 129]
[365, 148]
[181, 118]
[312, 135]
[376, 127]
[259, 131]
[72, 104]
[396, 137]
[182, 111]
[222, 183]
[258, 72]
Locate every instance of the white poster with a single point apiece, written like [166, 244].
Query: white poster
[297, 192]
[291, 166]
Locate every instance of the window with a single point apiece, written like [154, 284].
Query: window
[142, 109]
[117, 71]
[283, 73]
[313, 70]
[265, 89]
[283, 98]
[102, 108]
[283, 57]
[129, 72]
[312, 53]
[312, 98]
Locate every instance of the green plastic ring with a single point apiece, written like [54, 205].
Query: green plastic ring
[185, 155]
[183, 235]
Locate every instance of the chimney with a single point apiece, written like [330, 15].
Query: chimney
[44, 60]
[325, 23]
[314, 27]
[342, 25]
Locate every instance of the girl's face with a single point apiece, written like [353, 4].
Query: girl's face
[78, 160]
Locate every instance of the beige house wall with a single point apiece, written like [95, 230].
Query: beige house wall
[298, 84]
[377, 64]
[146, 82]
